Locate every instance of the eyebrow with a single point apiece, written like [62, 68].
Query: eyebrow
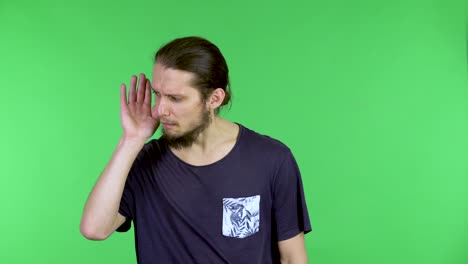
[175, 95]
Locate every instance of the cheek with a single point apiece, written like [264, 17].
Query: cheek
[186, 112]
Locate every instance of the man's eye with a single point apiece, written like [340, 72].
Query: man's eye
[155, 93]
[174, 99]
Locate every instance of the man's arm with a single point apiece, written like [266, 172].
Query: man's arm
[100, 216]
[293, 251]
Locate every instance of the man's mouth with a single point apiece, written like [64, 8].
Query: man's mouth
[167, 124]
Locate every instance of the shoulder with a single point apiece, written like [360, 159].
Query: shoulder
[153, 148]
[269, 154]
[263, 144]
[150, 154]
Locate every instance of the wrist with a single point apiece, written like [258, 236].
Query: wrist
[132, 142]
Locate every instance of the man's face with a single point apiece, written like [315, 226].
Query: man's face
[179, 106]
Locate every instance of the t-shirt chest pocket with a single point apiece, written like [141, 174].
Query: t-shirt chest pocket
[241, 216]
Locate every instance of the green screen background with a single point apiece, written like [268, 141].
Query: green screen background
[371, 96]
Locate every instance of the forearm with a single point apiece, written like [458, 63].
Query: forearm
[102, 206]
[295, 260]
[293, 250]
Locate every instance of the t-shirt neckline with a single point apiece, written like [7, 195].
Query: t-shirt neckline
[220, 161]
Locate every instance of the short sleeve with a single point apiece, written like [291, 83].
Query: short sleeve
[289, 204]
[127, 202]
[126, 206]
[134, 183]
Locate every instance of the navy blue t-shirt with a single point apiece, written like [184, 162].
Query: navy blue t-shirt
[234, 210]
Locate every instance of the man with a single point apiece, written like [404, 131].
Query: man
[209, 190]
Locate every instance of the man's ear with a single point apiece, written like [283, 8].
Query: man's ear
[216, 98]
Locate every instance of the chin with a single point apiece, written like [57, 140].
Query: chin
[170, 134]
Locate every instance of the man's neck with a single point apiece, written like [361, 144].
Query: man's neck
[212, 144]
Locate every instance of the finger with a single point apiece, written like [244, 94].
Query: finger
[123, 97]
[148, 93]
[132, 93]
[154, 113]
[141, 89]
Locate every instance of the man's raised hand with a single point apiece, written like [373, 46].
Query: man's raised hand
[135, 113]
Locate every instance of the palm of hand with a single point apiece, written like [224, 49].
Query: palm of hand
[135, 113]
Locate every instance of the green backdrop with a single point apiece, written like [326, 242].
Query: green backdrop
[371, 96]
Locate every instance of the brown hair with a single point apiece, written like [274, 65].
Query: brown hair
[200, 57]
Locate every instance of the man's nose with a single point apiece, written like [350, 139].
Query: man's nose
[162, 108]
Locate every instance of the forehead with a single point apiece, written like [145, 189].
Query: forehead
[172, 81]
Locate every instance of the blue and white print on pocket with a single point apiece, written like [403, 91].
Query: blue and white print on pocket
[241, 216]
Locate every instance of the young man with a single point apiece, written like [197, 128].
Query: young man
[209, 190]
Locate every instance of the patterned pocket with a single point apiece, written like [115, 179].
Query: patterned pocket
[241, 216]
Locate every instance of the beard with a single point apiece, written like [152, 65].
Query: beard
[188, 138]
